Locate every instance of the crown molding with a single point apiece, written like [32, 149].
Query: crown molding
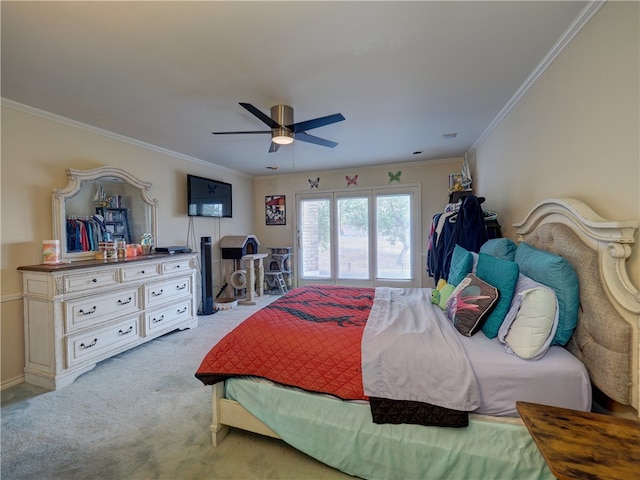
[106, 133]
[576, 26]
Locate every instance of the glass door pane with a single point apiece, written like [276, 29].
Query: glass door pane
[353, 237]
[394, 257]
[315, 238]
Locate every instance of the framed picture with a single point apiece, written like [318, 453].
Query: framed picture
[455, 181]
[275, 209]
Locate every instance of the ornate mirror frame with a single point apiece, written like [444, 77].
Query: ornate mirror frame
[77, 179]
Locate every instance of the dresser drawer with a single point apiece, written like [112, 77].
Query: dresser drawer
[161, 292]
[162, 318]
[86, 346]
[88, 311]
[79, 282]
[138, 272]
[176, 266]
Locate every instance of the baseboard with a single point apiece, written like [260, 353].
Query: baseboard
[11, 383]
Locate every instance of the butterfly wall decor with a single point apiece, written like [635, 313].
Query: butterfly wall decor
[351, 180]
[314, 183]
[395, 177]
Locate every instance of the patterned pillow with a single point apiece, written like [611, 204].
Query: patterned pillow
[470, 303]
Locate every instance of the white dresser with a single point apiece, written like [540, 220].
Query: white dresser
[78, 314]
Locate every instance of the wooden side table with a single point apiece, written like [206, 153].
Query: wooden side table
[580, 445]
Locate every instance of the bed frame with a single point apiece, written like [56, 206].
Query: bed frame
[607, 338]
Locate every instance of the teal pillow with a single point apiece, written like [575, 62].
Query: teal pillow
[558, 274]
[503, 275]
[500, 247]
[461, 265]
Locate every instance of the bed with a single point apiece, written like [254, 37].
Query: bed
[371, 430]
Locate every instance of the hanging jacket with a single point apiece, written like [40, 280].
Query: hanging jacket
[469, 231]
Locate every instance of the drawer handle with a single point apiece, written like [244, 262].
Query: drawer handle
[120, 332]
[93, 344]
[120, 302]
[82, 312]
[142, 272]
[94, 280]
[178, 287]
[177, 266]
[157, 320]
[182, 311]
[154, 294]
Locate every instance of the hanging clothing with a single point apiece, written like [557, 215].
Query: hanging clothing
[73, 236]
[442, 231]
[470, 231]
[464, 224]
[84, 234]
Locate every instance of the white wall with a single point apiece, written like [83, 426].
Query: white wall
[36, 151]
[576, 132]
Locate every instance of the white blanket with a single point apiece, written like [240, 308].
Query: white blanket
[410, 351]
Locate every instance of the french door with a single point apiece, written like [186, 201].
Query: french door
[364, 237]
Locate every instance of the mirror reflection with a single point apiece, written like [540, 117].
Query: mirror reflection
[102, 205]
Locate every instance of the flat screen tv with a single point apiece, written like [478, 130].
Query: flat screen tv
[208, 198]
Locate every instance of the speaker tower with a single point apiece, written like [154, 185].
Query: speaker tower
[207, 277]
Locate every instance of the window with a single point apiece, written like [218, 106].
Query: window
[352, 217]
[394, 247]
[314, 238]
[362, 237]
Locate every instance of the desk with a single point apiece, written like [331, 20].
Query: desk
[579, 445]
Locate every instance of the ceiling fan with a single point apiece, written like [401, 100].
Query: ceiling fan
[284, 131]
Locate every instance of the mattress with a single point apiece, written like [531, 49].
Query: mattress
[310, 338]
[558, 378]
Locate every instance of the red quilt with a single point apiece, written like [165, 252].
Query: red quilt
[309, 338]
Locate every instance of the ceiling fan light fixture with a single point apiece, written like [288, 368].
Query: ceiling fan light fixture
[282, 136]
[284, 131]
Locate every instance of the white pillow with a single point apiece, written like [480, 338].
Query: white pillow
[532, 320]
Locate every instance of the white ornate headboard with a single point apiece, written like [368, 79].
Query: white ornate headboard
[607, 338]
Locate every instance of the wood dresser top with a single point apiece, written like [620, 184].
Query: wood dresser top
[77, 265]
[580, 445]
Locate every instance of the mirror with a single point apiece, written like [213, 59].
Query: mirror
[125, 210]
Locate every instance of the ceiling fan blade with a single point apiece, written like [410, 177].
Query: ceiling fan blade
[315, 123]
[236, 133]
[265, 118]
[305, 137]
[274, 147]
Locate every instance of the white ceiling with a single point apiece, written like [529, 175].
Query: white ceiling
[169, 73]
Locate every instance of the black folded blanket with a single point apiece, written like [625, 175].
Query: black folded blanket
[385, 410]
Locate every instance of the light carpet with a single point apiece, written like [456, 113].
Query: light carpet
[142, 415]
